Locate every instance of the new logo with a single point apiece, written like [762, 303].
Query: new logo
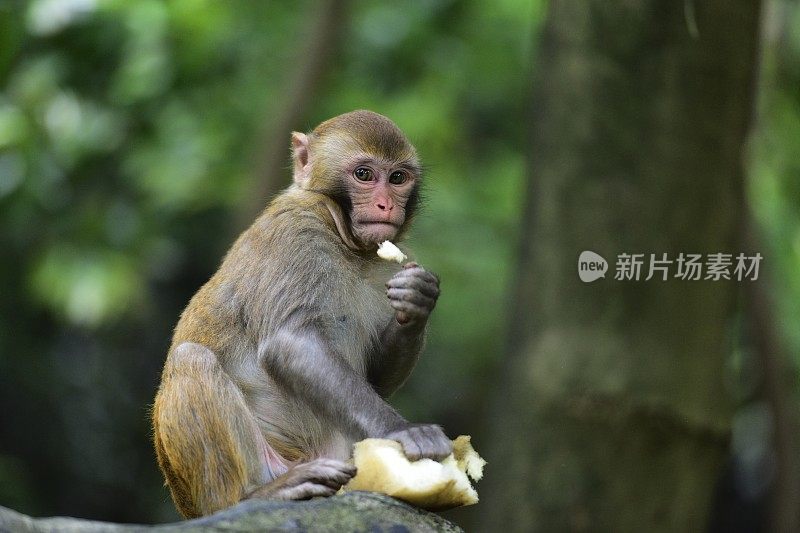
[591, 266]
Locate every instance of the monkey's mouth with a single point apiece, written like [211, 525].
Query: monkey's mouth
[375, 231]
[378, 223]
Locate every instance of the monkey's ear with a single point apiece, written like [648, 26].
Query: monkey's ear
[300, 157]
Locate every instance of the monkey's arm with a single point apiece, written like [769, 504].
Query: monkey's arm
[395, 357]
[412, 292]
[301, 361]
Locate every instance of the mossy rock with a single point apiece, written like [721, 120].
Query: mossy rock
[353, 511]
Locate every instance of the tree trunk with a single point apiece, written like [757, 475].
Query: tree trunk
[614, 413]
[271, 174]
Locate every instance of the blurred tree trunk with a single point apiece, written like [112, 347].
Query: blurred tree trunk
[613, 413]
[271, 173]
[779, 78]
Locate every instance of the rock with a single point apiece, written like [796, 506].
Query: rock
[353, 511]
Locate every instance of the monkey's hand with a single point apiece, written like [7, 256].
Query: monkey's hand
[320, 477]
[413, 293]
[423, 441]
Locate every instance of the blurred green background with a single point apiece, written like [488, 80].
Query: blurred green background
[137, 139]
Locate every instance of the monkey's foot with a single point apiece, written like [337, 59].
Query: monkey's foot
[320, 477]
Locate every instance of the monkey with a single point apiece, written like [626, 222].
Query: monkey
[286, 356]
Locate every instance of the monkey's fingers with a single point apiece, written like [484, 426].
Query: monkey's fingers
[308, 490]
[437, 445]
[433, 442]
[333, 477]
[330, 472]
[411, 264]
[411, 296]
[423, 441]
[417, 271]
[410, 309]
[410, 446]
[333, 463]
[427, 286]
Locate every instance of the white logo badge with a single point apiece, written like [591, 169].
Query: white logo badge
[591, 266]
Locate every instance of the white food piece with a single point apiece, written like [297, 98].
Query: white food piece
[383, 467]
[388, 251]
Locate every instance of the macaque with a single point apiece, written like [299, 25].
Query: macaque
[283, 360]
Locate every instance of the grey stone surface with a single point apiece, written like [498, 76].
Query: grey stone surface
[354, 511]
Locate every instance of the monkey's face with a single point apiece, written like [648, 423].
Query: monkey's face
[379, 195]
[365, 164]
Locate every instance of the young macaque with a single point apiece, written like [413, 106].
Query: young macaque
[283, 359]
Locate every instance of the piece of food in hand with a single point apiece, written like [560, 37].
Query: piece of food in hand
[388, 251]
[383, 467]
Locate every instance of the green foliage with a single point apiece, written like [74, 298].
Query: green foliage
[130, 138]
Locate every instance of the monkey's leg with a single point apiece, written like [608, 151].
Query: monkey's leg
[205, 436]
[210, 449]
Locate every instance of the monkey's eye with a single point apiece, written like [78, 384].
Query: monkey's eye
[363, 174]
[397, 177]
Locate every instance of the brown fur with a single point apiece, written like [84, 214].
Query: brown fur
[223, 425]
